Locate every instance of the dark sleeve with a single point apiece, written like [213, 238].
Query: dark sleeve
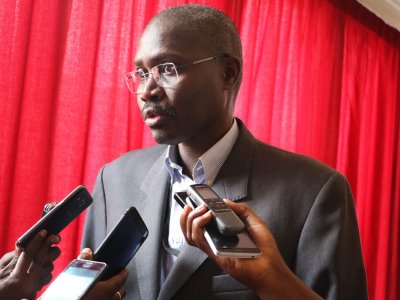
[94, 230]
[329, 257]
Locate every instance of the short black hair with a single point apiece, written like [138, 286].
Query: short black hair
[213, 25]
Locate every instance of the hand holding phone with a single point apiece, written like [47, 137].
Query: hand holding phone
[60, 216]
[228, 222]
[121, 244]
[75, 281]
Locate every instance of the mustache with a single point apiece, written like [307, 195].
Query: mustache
[160, 108]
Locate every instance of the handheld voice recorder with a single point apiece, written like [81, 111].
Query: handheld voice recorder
[228, 222]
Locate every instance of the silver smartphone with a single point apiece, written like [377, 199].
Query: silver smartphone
[75, 281]
[240, 245]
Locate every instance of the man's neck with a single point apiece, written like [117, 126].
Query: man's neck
[190, 152]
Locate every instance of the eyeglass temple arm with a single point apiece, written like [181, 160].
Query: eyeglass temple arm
[203, 60]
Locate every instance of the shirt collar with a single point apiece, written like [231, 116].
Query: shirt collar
[209, 163]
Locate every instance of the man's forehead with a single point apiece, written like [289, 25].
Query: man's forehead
[158, 41]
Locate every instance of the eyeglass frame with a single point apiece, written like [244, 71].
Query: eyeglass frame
[149, 74]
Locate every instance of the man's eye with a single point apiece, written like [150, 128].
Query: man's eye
[167, 69]
[141, 74]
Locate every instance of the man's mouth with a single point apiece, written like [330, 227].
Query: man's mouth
[153, 117]
[156, 114]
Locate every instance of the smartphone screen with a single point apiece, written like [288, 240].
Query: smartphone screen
[75, 281]
[60, 216]
[122, 243]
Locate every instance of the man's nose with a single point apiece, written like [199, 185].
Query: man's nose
[151, 90]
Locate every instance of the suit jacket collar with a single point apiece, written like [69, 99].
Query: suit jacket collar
[231, 183]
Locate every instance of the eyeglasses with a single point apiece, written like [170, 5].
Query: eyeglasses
[165, 75]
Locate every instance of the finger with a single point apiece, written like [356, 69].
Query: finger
[256, 227]
[44, 267]
[53, 253]
[183, 219]
[50, 255]
[244, 212]
[198, 230]
[8, 269]
[86, 253]
[36, 243]
[119, 295]
[52, 239]
[189, 222]
[117, 282]
[27, 256]
[240, 209]
[8, 257]
[47, 268]
[45, 279]
[46, 253]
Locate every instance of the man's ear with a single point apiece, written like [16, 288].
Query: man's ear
[232, 69]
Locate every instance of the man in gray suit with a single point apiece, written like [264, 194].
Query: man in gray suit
[187, 76]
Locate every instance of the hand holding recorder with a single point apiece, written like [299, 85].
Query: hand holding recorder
[268, 275]
[219, 231]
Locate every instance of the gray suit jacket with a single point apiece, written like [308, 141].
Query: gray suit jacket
[307, 205]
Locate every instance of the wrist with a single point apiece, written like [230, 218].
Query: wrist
[281, 283]
[269, 285]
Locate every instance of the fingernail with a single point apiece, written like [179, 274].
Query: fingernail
[85, 253]
[202, 207]
[43, 233]
[54, 239]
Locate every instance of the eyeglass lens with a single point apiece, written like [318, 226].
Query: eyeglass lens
[165, 75]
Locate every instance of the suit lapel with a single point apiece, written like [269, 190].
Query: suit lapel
[152, 208]
[232, 179]
[189, 259]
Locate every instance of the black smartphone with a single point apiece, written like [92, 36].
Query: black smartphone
[75, 280]
[121, 244]
[60, 216]
[228, 222]
[180, 197]
[239, 246]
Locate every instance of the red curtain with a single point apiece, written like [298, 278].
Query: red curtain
[320, 78]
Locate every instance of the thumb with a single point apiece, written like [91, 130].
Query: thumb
[86, 253]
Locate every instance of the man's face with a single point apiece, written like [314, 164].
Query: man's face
[196, 110]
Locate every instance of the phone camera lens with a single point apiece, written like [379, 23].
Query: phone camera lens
[81, 202]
